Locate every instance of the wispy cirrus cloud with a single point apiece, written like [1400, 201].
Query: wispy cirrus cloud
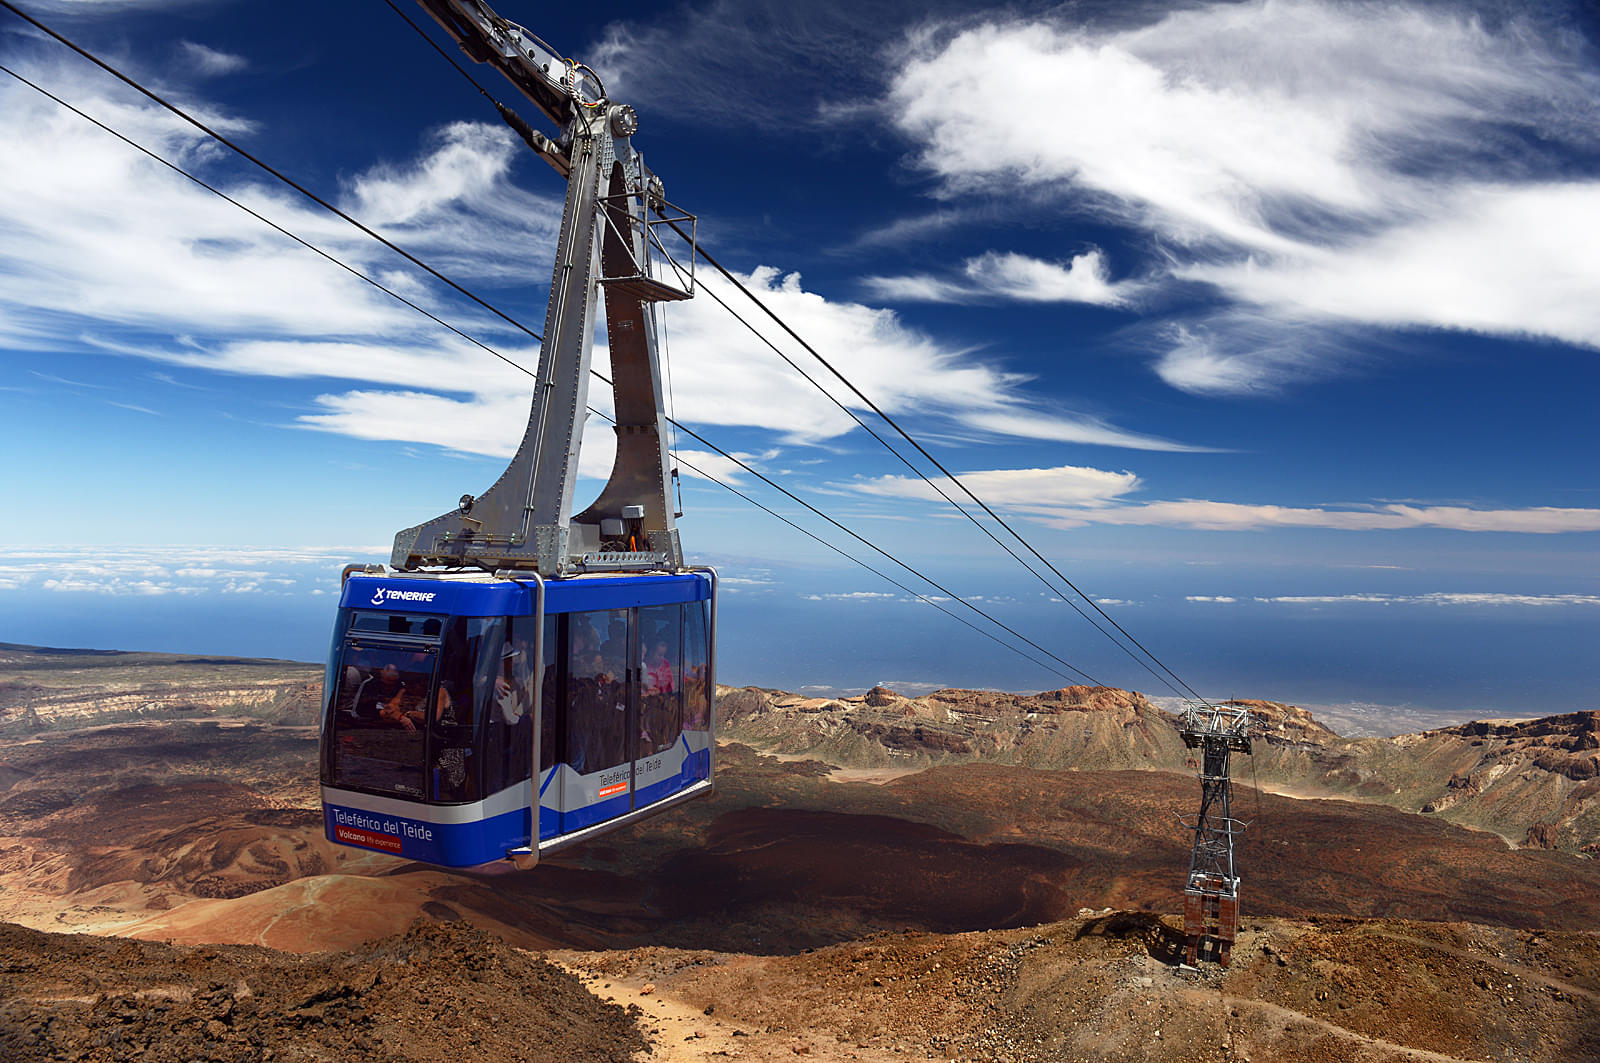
[1320, 166]
[1074, 496]
[1435, 598]
[1032, 490]
[721, 373]
[1007, 275]
[182, 571]
[208, 62]
[108, 250]
[743, 64]
[96, 238]
[853, 596]
[1235, 516]
[1497, 259]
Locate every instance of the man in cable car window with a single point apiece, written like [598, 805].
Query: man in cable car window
[381, 697]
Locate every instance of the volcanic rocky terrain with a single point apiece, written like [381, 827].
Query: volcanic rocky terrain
[965, 875]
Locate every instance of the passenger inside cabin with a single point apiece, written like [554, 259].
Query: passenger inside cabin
[381, 696]
[511, 686]
[452, 781]
[615, 651]
[658, 669]
[586, 658]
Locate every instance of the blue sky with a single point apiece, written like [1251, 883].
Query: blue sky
[1271, 324]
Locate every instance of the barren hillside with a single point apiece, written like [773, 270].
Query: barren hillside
[42, 688]
[967, 875]
[1534, 782]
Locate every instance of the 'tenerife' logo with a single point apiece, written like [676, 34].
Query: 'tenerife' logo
[389, 594]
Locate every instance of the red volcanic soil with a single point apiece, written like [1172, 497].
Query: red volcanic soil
[884, 870]
[440, 993]
[200, 847]
[949, 912]
[1106, 988]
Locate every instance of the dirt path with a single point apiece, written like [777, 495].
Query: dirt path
[875, 776]
[679, 1032]
[1276, 1013]
[1514, 970]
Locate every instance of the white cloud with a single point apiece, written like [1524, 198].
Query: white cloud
[208, 62]
[92, 231]
[1495, 258]
[481, 424]
[1239, 352]
[153, 571]
[852, 596]
[1008, 275]
[134, 408]
[455, 207]
[901, 231]
[1072, 496]
[106, 249]
[723, 375]
[708, 465]
[769, 64]
[1038, 423]
[1232, 516]
[1034, 490]
[147, 588]
[1328, 165]
[1210, 598]
[1441, 598]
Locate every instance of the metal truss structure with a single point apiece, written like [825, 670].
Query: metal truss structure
[1211, 895]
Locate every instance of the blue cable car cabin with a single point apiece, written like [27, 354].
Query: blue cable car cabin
[443, 691]
[472, 717]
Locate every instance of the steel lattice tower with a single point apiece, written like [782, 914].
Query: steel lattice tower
[1211, 895]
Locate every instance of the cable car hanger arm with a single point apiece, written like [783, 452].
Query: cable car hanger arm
[525, 519]
[553, 82]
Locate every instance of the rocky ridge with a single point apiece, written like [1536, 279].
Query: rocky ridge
[42, 688]
[1535, 782]
[799, 912]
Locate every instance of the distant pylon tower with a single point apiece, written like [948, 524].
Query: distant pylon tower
[1211, 896]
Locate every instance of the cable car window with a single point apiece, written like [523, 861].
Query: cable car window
[397, 624]
[696, 671]
[597, 690]
[468, 660]
[661, 678]
[379, 719]
[507, 726]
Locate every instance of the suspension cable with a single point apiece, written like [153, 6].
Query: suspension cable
[175, 168]
[890, 421]
[851, 557]
[924, 476]
[738, 284]
[676, 424]
[225, 142]
[455, 65]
